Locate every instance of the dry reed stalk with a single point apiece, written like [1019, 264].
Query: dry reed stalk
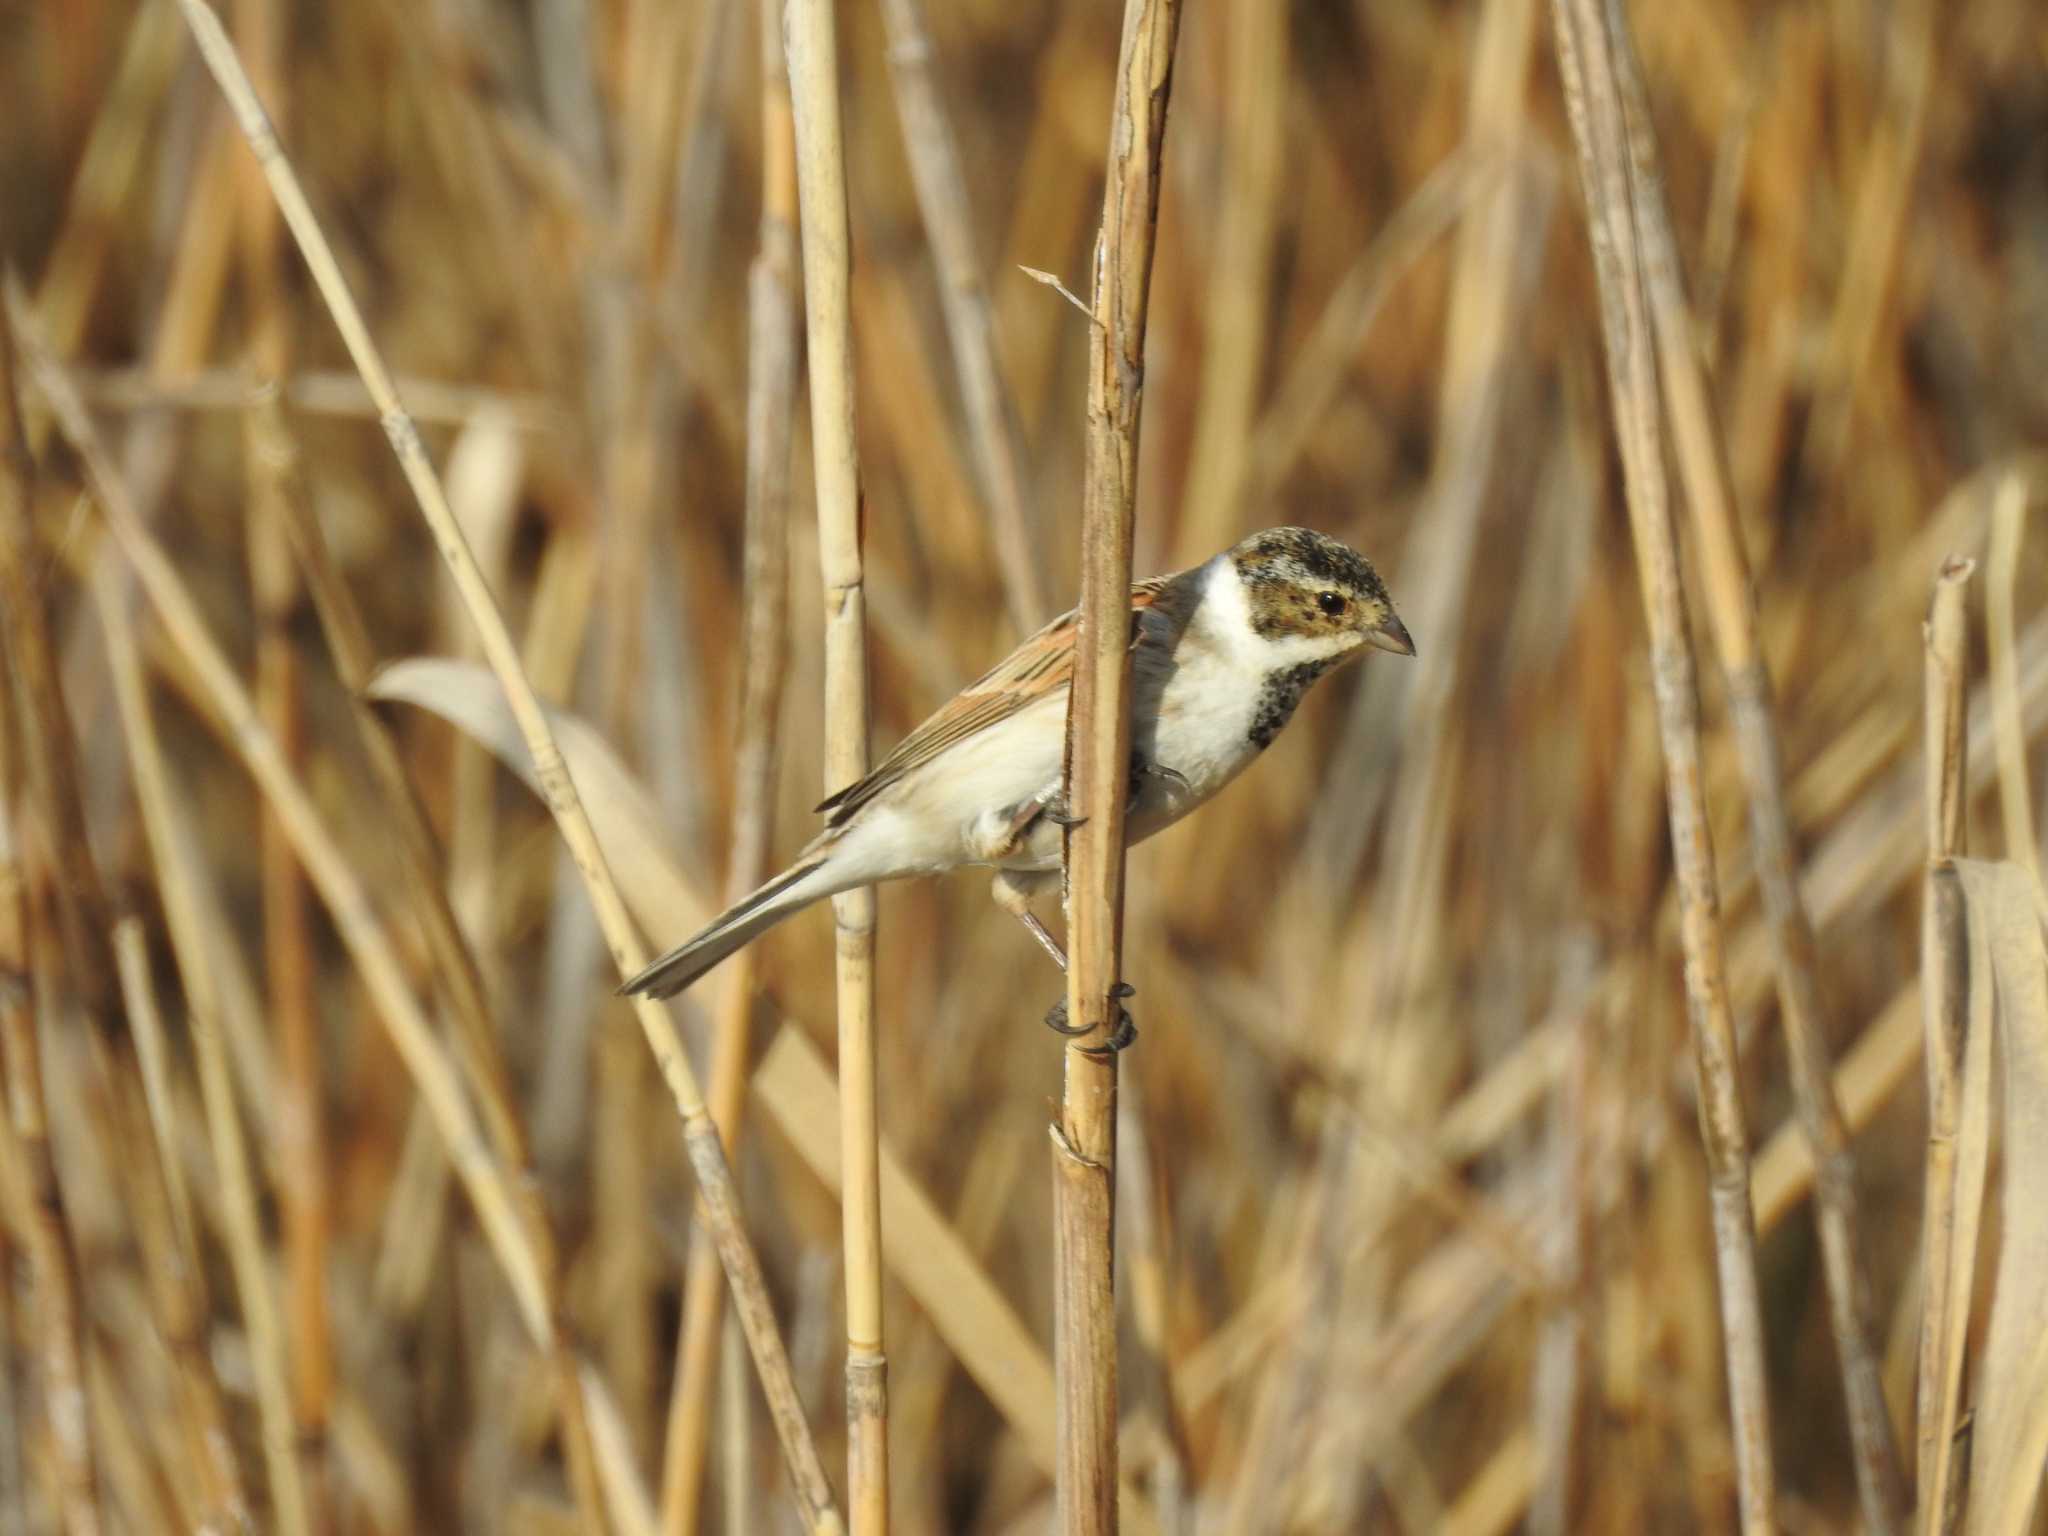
[1593, 96]
[1097, 774]
[1559, 1392]
[1143, 1190]
[828, 319]
[771, 392]
[1731, 608]
[1944, 1000]
[736, 1407]
[219, 1479]
[993, 434]
[131, 957]
[934, 1265]
[707, 1156]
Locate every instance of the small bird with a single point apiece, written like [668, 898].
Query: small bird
[1220, 656]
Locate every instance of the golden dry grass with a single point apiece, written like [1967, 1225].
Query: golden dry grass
[1414, 1230]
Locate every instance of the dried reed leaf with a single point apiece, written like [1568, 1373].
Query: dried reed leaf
[629, 828]
[2008, 1026]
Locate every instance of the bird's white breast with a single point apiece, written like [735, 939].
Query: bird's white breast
[1197, 696]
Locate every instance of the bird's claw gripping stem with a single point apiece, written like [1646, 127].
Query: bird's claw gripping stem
[1120, 1037]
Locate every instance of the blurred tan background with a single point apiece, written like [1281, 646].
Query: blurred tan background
[1414, 1234]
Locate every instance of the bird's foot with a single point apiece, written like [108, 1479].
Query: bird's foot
[1121, 1036]
[1056, 812]
[1141, 770]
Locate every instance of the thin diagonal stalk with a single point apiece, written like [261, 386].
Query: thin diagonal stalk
[993, 433]
[707, 1155]
[828, 319]
[1097, 772]
[1593, 98]
[1731, 607]
[771, 391]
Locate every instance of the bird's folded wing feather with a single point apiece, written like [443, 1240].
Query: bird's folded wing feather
[1041, 665]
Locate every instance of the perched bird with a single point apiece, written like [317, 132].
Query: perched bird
[1220, 656]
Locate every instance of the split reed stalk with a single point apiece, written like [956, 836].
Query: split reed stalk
[707, 1155]
[1097, 775]
[1586, 54]
[771, 393]
[828, 320]
[1731, 609]
[1945, 982]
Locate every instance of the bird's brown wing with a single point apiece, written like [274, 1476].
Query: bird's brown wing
[1041, 665]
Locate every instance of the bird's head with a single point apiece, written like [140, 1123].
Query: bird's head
[1320, 600]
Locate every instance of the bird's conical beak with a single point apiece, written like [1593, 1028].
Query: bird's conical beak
[1392, 635]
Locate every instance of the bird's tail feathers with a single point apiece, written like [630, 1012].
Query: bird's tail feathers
[732, 929]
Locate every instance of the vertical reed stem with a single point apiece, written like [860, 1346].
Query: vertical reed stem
[1098, 773]
[1944, 1011]
[821, 194]
[771, 388]
[1593, 96]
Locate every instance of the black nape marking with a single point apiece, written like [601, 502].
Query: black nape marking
[1279, 695]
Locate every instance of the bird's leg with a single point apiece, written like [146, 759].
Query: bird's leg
[1013, 890]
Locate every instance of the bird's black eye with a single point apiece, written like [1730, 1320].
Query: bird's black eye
[1331, 603]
